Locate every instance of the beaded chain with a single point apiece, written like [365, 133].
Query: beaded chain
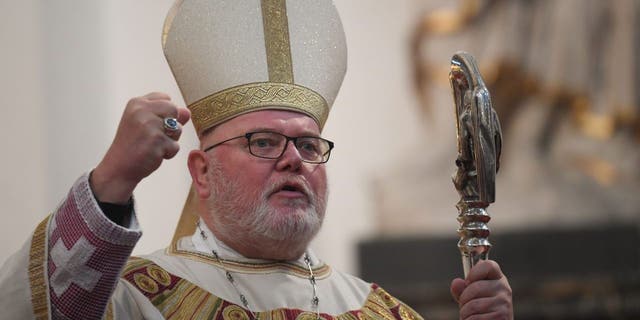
[315, 301]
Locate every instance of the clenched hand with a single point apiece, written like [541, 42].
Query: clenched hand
[139, 147]
[485, 294]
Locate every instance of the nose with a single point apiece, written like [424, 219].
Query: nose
[290, 159]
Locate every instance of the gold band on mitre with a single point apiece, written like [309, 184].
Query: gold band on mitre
[226, 104]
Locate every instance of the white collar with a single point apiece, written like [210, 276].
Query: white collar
[227, 253]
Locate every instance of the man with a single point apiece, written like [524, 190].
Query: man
[259, 79]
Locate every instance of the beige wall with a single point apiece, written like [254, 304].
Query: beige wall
[22, 180]
[69, 67]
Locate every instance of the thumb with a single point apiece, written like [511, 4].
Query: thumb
[457, 286]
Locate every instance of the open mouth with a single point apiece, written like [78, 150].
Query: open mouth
[291, 189]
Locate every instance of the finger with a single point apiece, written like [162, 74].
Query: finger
[183, 115]
[163, 108]
[457, 287]
[478, 307]
[174, 134]
[157, 96]
[481, 289]
[140, 107]
[171, 149]
[487, 288]
[484, 270]
[487, 316]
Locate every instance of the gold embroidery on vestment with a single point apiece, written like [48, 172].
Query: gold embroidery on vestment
[145, 283]
[234, 312]
[308, 316]
[185, 300]
[37, 271]
[109, 315]
[320, 272]
[159, 275]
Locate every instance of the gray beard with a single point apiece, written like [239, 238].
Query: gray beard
[250, 217]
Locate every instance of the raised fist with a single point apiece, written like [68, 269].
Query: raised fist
[142, 142]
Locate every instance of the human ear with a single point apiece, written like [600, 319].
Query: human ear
[199, 169]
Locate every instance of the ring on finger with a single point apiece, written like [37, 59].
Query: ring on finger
[170, 124]
[171, 127]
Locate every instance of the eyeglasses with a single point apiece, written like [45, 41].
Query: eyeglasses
[271, 145]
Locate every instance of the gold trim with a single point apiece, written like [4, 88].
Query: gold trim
[37, 271]
[276, 40]
[234, 311]
[146, 283]
[185, 299]
[168, 21]
[320, 272]
[109, 315]
[187, 223]
[234, 101]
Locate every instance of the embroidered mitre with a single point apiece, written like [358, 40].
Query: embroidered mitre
[234, 57]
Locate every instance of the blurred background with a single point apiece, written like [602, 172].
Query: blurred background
[564, 79]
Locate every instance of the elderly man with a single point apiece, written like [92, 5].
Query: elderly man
[259, 79]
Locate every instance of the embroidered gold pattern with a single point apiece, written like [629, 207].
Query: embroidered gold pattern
[308, 316]
[320, 272]
[234, 101]
[159, 275]
[276, 38]
[109, 314]
[145, 283]
[273, 315]
[350, 316]
[37, 268]
[234, 312]
[188, 302]
[387, 299]
[408, 313]
[376, 307]
[185, 300]
[373, 310]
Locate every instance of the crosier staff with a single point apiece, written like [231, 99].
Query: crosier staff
[478, 161]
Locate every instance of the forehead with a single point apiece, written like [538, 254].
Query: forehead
[286, 122]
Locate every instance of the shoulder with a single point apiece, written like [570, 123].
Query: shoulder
[378, 303]
[380, 298]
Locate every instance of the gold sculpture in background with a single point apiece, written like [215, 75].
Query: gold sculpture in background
[563, 77]
[528, 61]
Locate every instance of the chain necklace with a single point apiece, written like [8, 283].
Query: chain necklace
[315, 301]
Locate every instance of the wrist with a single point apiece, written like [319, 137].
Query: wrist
[110, 188]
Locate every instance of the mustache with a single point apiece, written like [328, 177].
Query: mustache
[299, 183]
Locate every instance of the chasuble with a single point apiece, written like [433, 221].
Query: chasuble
[77, 265]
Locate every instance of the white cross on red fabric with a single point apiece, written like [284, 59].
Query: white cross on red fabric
[71, 266]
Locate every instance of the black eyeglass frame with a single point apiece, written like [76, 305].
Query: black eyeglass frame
[286, 145]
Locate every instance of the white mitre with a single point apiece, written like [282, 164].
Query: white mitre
[237, 56]
[230, 57]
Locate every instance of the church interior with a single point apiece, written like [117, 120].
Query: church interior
[563, 77]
